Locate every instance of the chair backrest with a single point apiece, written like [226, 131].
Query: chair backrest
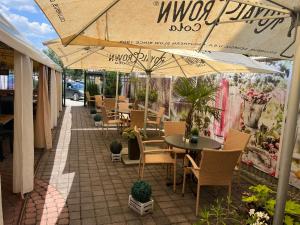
[110, 103]
[98, 100]
[236, 140]
[160, 114]
[216, 166]
[174, 127]
[137, 118]
[104, 114]
[123, 106]
[140, 142]
[87, 95]
[122, 98]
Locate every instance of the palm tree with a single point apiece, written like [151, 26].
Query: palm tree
[200, 96]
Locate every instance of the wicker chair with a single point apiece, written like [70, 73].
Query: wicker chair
[90, 99]
[216, 168]
[137, 118]
[110, 119]
[159, 116]
[122, 98]
[110, 104]
[154, 156]
[98, 101]
[175, 128]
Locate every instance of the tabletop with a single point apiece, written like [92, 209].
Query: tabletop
[203, 142]
[5, 118]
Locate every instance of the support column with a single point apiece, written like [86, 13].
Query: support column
[84, 75]
[148, 74]
[64, 89]
[289, 136]
[117, 90]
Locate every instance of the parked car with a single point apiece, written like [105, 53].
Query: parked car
[75, 91]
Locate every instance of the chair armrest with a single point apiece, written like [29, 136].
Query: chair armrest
[188, 158]
[157, 151]
[153, 141]
[209, 149]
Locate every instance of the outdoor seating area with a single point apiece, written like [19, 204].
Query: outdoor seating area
[150, 112]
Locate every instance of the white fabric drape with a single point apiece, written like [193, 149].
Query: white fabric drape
[59, 91]
[42, 129]
[53, 99]
[23, 157]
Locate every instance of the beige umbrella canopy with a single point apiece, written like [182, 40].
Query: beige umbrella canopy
[169, 62]
[254, 27]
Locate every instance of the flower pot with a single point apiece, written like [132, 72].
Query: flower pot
[133, 149]
[141, 208]
[97, 124]
[194, 139]
[115, 157]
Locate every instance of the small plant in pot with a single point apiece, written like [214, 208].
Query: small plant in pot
[194, 135]
[140, 198]
[97, 119]
[115, 148]
[133, 146]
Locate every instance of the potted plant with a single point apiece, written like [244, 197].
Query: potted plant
[133, 146]
[115, 149]
[194, 135]
[93, 112]
[97, 119]
[140, 198]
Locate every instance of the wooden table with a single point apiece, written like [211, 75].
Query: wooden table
[5, 118]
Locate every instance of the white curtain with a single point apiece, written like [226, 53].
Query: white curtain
[53, 98]
[23, 157]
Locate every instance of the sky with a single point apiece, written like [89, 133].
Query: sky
[29, 20]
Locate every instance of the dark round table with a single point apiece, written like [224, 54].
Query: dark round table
[203, 142]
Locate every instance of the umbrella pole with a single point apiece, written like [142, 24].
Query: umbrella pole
[146, 100]
[289, 137]
[117, 90]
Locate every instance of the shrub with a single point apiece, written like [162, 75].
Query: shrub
[97, 118]
[195, 132]
[141, 191]
[115, 147]
[93, 89]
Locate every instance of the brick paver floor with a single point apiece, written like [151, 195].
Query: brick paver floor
[78, 183]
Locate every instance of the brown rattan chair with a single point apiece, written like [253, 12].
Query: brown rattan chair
[109, 119]
[122, 98]
[137, 118]
[157, 122]
[175, 128]
[90, 99]
[154, 156]
[110, 104]
[98, 101]
[216, 168]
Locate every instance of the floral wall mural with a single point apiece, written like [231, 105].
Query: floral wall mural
[253, 103]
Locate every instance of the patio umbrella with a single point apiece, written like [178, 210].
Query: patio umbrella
[170, 62]
[254, 27]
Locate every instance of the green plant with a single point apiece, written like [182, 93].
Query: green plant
[195, 131]
[97, 118]
[262, 198]
[115, 147]
[153, 95]
[92, 88]
[200, 96]
[129, 133]
[111, 84]
[93, 111]
[141, 191]
[221, 213]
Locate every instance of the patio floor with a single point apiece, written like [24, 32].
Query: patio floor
[77, 183]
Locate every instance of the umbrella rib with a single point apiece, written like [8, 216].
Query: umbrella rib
[137, 59]
[214, 24]
[179, 65]
[135, 62]
[92, 21]
[164, 64]
[71, 53]
[92, 52]
[210, 66]
[278, 4]
[155, 64]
